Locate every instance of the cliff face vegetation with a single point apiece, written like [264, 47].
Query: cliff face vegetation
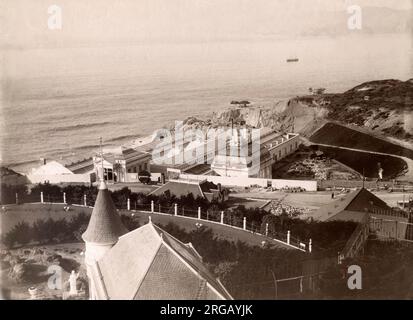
[283, 116]
[384, 106]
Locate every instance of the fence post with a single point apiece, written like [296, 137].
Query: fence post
[266, 229]
[41, 197]
[310, 245]
[397, 236]
[176, 209]
[199, 213]
[84, 200]
[339, 258]
[222, 217]
[288, 236]
[64, 197]
[152, 206]
[244, 225]
[128, 204]
[17, 198]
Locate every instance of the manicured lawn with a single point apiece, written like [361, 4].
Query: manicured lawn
[32, 212]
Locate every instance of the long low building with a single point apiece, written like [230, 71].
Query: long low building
[355, 206]
[78, 171]
[122, 164]
[257, 162]
[221, 149]
[202, 189]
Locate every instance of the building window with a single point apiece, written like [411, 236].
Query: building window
[134, 169]
[108, 174]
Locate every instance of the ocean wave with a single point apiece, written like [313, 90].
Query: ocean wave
[79, 126]
[88, 146]
[20, 163]
[128, 136]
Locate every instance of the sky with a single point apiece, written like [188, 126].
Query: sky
[25, 21]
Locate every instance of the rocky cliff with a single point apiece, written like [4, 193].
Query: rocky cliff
[384, 107]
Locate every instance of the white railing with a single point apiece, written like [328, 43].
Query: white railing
[196, 215]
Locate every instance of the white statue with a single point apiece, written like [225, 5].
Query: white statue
[380, 173]
[33, 293]
[72, 282]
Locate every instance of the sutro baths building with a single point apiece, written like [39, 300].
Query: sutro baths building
[273, 147]
[122, 164]
[229, 159]
[216, 151]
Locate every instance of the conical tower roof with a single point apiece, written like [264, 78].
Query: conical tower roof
[105, 226]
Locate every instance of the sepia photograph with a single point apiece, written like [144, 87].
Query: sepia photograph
[183, 150]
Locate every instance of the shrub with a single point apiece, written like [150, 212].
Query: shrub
[21, 234]
[129, 222]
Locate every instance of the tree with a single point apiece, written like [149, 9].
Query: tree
[8, 193]
[117, 168]
[120, 197]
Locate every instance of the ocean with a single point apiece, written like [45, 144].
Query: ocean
[57, 102]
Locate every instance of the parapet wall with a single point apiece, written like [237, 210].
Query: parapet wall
[59, 178]
[308, 185]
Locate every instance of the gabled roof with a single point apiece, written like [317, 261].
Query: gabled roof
[150, 264]
[122, 153]
[81, 166]
[183, 188]
[105, 225]
[51, 167]
[346, 208]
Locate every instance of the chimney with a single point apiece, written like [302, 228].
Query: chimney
[43, 161]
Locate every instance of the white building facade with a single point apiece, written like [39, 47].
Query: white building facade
[273, 147]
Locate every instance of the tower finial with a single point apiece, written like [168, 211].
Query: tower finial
[101, 159]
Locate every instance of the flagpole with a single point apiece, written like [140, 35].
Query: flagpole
[101, 159]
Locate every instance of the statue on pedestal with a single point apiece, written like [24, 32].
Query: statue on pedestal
[73, 282]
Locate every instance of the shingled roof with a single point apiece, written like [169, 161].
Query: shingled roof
[183, 188]
[150, 264]
[105, 225]
[352, 206]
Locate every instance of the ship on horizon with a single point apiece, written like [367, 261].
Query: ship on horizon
[292, 60]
